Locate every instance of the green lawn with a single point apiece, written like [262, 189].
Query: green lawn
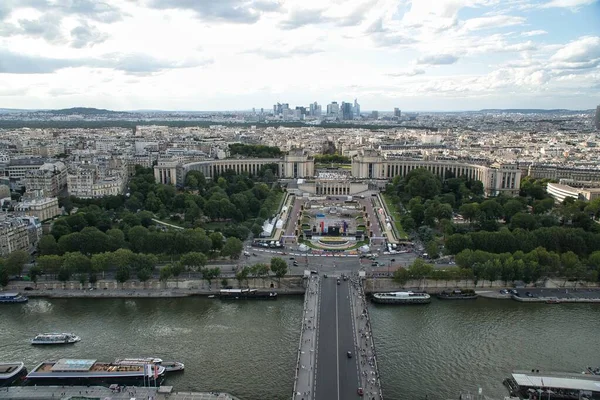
[395, 216]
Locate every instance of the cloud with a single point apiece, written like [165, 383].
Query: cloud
[357, 16]
[234, 11]
[583, 51]
[496, 21]
[137, 64]
[276, 52]
[567, 3]
[410, 72]
[86, 35]
[299, 18]
[437, 59]
[97, 10]
[534, 33]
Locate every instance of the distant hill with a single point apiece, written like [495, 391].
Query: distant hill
[83, 111]
[530, 110]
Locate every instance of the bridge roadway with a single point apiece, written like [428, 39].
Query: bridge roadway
[337, 376]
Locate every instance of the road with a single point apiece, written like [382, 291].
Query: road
[336, 375]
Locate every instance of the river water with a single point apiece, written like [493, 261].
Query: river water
[249, 348]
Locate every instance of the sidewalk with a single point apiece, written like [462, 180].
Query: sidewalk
[369, 373]
[305, 369]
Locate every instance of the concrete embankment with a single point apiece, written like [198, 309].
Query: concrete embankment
[289, 285]
[100, 392]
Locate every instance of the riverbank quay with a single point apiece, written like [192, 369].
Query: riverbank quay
[104, 393]
[369, 371]
[304, 381]
[289, 285]
[387, 284]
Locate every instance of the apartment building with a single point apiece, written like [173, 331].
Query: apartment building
[14, 235]
[51, 178]
[42, 208]
[87, 181]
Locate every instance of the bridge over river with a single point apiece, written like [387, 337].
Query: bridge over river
[335, 323]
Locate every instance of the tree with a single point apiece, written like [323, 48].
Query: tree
[64, 275]
[260, 270]
[401, 276]
[217, 240]
[47, 245]
[123, 275]
[432, 249]
[242, 275]
[193, 260]
[77, 262]
[176, 270]
[232, 248]
[50, 264]
[210, 273]
[34, 273]
[422, 183]
[470, 211]
[16, 261]
[165, 274]
[144, 274]
[279, 267]
[4, 278]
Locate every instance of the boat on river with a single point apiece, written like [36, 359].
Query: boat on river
[68, 371]
[169, 366]
[555, 385]
[12, 298]
[246, 294]
[401, 298]
[458, 294]
[55, 338]
[10, 372]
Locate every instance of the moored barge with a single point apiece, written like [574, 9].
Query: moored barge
[401, 298]
[91, 372]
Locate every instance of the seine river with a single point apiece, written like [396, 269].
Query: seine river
[249, 348]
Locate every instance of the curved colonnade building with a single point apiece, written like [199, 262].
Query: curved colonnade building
[367, 167]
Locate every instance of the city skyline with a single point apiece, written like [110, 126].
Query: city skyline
[449, 55]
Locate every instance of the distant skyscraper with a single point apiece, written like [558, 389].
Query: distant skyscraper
[333, 108]
[346, 111]
[312, 109]
[374, 114]
[598, 118]
[356, 108]
[397, 113]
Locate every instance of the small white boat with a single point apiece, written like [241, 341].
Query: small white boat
[138, 361]
[55, 338]
[172, 366]
[212, 296]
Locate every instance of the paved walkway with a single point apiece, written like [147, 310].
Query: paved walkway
[304, 382]
[369, 372]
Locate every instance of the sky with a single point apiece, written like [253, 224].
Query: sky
[437, 55]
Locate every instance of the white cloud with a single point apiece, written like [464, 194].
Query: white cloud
[581, 53]
[437, 59]
[536, 32]
[408, 72]
[567, 3]
[496, 21]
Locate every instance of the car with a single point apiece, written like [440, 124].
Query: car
[360, 391]
[325, 276]
[314, 272]
[503, 291]
[338, 281]
[28, 288]
[254, 254]
[345, 278]
[393, 260]
[292, 258]
[374, 264]
[349, 354]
